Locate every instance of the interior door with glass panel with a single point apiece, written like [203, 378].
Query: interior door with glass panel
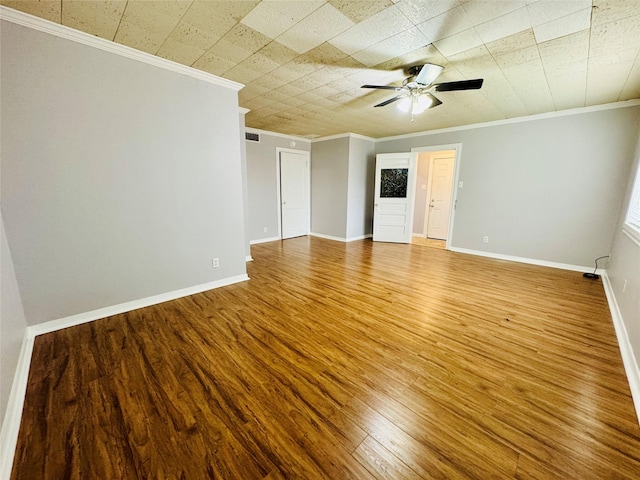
[394, 196]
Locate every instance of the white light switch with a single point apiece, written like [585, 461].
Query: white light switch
[423, 187]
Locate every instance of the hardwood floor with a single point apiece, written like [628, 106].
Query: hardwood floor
[340, 361]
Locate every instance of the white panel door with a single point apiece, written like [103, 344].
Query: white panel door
[439, 208]
[294, 194]
[394, 196]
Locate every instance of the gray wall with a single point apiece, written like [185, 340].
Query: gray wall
[120, 180]
[362, 164]
[263, 183]
[12, 322]
[625, 265]
[329, 186]
[545, 189]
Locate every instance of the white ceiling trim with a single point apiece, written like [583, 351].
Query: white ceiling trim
[36, 23]
[529, 118]
[276, 134]
[343, 135]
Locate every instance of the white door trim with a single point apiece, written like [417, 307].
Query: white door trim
[279, 200]
[454, 190]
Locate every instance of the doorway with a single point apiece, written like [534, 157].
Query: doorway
[435, 194]
[293, 191]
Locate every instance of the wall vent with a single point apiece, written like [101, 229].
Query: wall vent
[252, 137]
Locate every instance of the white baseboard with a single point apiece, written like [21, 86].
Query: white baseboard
[13, 414]
[248, 258]
[340, 239]
[631, 367]
[86, 317]
[531, 261]
[263, 240]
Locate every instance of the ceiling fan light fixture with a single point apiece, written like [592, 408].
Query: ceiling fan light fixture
[414, 104]
[406, 104]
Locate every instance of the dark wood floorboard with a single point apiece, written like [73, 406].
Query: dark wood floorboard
[341, 361]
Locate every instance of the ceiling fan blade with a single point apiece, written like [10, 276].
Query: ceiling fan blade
[428, 74]
[434, 101]
[460, 85]
[391, 100]
[382, 87]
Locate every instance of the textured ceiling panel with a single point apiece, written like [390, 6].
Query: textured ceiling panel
[303, 62]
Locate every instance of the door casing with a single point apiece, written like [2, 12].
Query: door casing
[279, 186]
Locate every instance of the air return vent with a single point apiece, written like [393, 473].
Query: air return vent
[252, 137]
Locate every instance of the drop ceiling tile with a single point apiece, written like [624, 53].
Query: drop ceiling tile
[447, 24]
[568, 85]
[279, 77]
[382, 25]
[278, 53]
[179, 52]
[391, 47]
[251, 91]
[196, 37]
[209, 62]
[621, 34]
[48, 9]
[140, 38]
[358, 10]
[502, 96]
[315, 29]
[324, 54]
[563, 26]
[518, 57]
[545, 11]
[458, 43]
[250, 69]
[210, 16]
[631, 88]
[565, 49]
[504, 26]
[482, 11]
[239, 43]
[242, 74]
[156, 15]
[607, 11]
[272, 18]
[604, 85]
[290, 90]
[419, 11]
[518, 41]
[97, 18]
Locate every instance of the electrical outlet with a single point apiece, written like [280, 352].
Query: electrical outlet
[265, 229]
[485, 239]
[460, 184]
[215, 263]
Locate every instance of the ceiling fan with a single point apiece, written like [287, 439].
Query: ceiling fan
[416, 95]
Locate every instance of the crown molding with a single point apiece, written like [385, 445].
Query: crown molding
[61, 31]
[275, 134]
[344, 135]
[529, 118]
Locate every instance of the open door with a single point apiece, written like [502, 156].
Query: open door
[394, 196]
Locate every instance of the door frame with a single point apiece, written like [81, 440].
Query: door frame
[307, 154]
[454, 190]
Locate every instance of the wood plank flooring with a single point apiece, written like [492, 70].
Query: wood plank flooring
[341, 361]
